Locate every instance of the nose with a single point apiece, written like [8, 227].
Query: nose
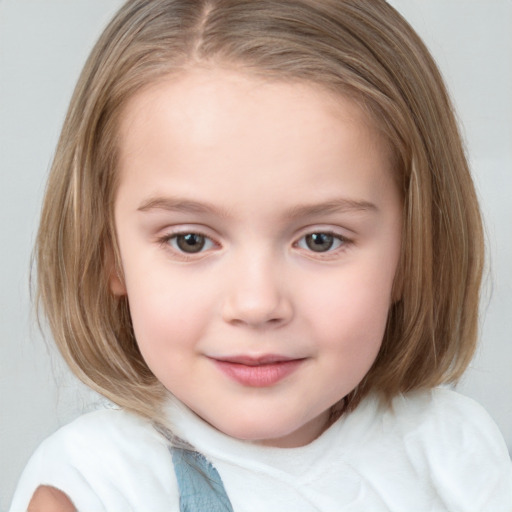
[257, 295]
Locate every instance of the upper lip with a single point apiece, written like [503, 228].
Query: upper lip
[256, 360]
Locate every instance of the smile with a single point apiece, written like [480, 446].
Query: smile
[259, 372]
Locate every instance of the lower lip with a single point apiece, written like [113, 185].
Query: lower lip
[259, 376]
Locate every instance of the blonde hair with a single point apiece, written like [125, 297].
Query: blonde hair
[359, 48]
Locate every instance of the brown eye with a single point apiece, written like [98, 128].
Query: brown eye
[322, 242]
[319, 242]
[190, 242]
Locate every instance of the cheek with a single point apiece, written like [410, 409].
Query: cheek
[170, 314]
[350, 314]
[351, 329]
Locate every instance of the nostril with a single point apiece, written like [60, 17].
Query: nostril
[271, 316]
[255, 297]
[257, 323]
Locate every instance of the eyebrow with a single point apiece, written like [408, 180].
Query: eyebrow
[175, 204]
[181, 205]
[338, 205]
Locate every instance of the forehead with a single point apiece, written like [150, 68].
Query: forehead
[222, 125]
[206, 95]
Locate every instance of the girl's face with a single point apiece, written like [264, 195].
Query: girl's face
[259, 231]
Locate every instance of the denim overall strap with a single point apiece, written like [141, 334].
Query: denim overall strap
[200, 486]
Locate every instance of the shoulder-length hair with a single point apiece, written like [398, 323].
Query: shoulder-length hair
[362, 49]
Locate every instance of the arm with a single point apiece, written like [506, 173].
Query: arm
[49, 499]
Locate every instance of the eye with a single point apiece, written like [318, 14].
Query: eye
[190, 243]
[321, 242]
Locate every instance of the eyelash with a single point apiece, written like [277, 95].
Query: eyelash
[165, 242]
[342, 243]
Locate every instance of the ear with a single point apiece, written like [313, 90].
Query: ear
[398, 286]
[116, 282]
[115, 276]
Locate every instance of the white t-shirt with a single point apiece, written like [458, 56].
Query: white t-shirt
[432, 451]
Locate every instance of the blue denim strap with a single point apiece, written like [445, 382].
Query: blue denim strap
[200, 486]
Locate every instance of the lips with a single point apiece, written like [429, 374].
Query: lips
[259, 372]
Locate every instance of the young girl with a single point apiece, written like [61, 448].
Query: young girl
[260, 239]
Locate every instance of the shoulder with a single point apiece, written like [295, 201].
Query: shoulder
[451, 440]
[109, 436]
[105, 460]
[429, 420]
[114, 428]
[447, 416]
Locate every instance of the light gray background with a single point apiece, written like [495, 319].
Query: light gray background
[43, 44]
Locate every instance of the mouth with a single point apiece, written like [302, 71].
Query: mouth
[258, 372]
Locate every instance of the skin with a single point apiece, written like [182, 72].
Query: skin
[49, 499]
[258, 169]
[254, 167]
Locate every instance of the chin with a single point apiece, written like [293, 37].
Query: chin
[283, 435]
[252, 431]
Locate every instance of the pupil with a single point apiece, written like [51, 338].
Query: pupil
[190, 242]
[319, 242]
